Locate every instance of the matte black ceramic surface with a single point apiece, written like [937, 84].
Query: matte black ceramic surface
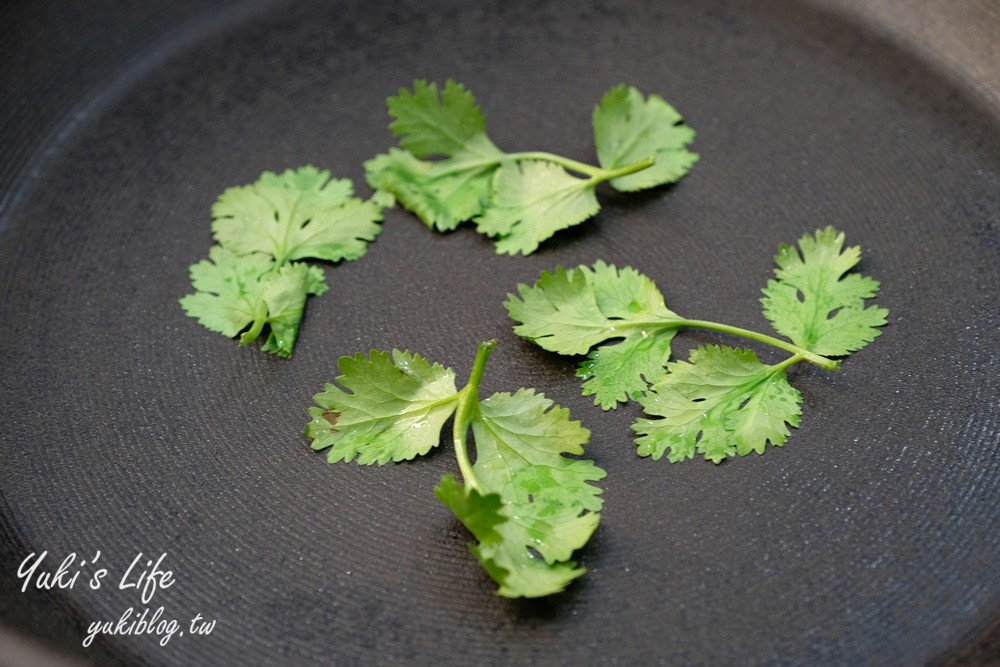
[872, 537]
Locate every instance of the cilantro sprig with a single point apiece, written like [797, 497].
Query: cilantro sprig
[522, 198]
[528, 506]
[724, 401]
[252, 280]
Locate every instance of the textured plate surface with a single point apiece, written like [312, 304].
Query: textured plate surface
[872, 537]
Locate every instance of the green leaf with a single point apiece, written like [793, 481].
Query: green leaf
[228, 288]
[628, 129]
[724, 402]
[285, 295]
[815, 304]
[548, 507]
[571, 311]
[442, 194]
[560, 312]
[393, 409]
[251, 280]
[297, 214]
[519, 198]
[551, 507]
[429, 124]
[528, 506]
[240, 291]
[479, 513]
[533, 200]
[616, 373]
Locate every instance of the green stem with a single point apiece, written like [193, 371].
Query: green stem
[806, 355]
[468, 408]
[674, 322]
[595, 174]
[468, 165]
[259, 320]
[611, 174]
[790, 361]
[282, 256]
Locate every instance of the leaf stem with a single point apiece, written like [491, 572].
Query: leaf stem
[611, 174]
[281, 257]
[674, 322]
[468, 408]
[594, 174]
[597, 174]
[790, 361]
[803, 354]
[259, 320]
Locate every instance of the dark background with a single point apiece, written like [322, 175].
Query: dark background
[870, 538]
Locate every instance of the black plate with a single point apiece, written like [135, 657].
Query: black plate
[872, 537]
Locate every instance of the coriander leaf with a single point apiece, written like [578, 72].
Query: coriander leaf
[628, 128]
[616, 373]
[520, 442]
[552, 509]
[431, 125]
[229, 288]
[251, 280]
[815, 304]
[481, 514]
[533, 200]
[560, 312]
[442, 194]
[724, 402]
[520, 198]
[528, 506]
[626, 294]
[285, 295]
[235, 292]
[393, 410]
[297, 214]
[571, 311]
[519, 573]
